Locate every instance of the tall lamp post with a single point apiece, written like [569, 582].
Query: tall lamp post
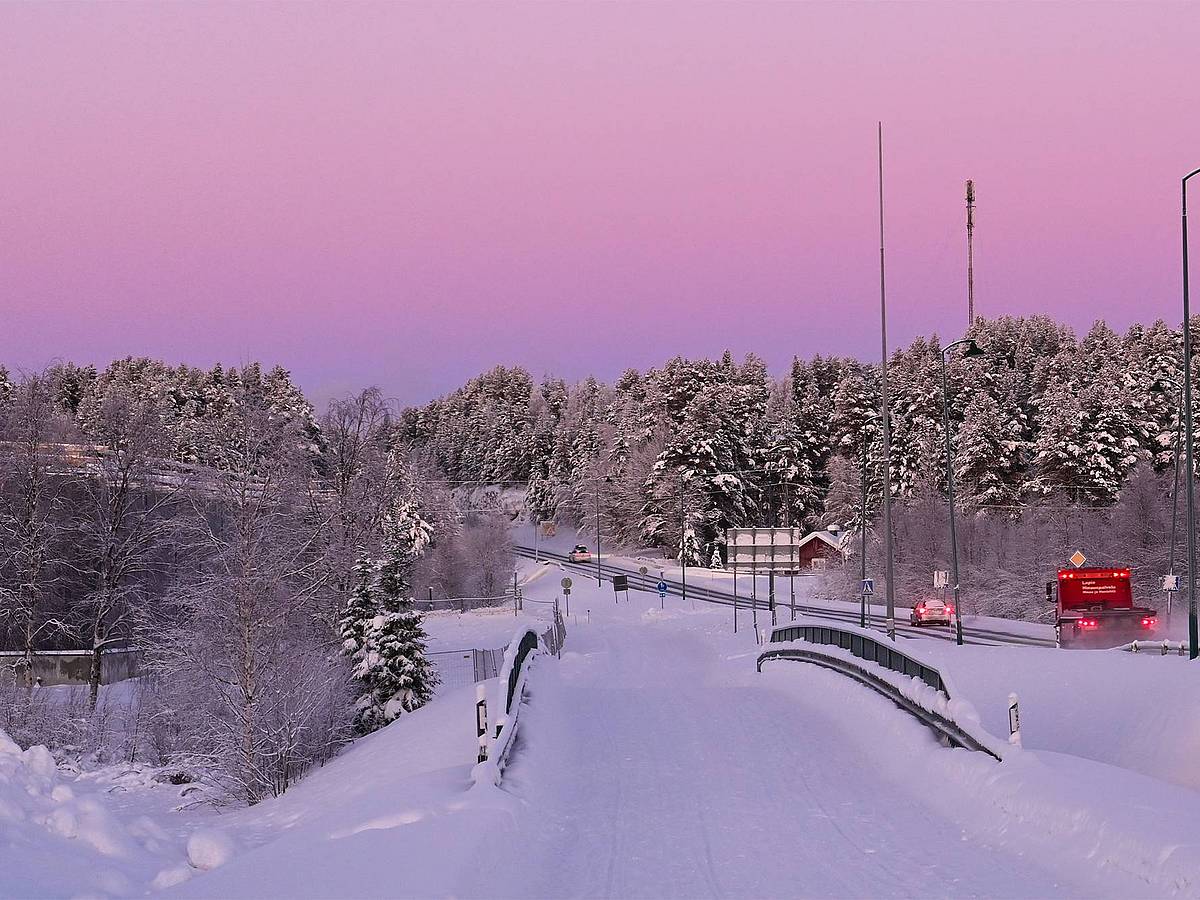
[971, 351]
[1189, 472]
[889, 566]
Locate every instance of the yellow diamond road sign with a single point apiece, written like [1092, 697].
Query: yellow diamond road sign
[1078, 559]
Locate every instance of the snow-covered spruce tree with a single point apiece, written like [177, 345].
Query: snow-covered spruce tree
[381, 632]
[361, 607]
[394, 669]
[405, 536]
[715, 561]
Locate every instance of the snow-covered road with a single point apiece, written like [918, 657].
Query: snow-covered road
[653, 760]
[658, 763]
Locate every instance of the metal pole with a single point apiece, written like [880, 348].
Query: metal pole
[958, 634]
[536, 534]
[970, 253]
[735, 596]
[599, 580]
[862, 527]
[682, 552]
[1188, 470]
[889, 563]
[1175, 501]
[792, 563]
[771, 595]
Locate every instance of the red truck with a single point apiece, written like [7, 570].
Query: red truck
[1095, 609]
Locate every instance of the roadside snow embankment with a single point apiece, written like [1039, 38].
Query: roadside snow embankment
[1136, 711]
[1056, 808]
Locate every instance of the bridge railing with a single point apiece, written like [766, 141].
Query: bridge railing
[866, 647]
[526, 645]
[914, 685]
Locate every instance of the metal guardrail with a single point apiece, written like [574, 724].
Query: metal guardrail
[873, 653]
[883, 653]
[528, 643]
[1162, 648]
[523, 647]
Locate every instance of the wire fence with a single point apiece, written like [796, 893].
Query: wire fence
[458, 668]
[463, 604]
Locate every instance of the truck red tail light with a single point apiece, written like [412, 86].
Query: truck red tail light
[1149, 621]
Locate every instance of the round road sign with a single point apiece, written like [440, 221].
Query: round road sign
[566, 583]
[643, 570]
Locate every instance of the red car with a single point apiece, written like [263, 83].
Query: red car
[931, 612]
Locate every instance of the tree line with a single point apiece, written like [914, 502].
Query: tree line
[1048, 430]
[262, 556]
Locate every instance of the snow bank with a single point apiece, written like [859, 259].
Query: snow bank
[1137, 711]
[208, 848]
[61, 835]
[1056, 808]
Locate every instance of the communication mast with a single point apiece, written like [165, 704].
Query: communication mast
[970, 253]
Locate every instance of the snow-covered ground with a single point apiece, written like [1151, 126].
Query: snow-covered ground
[654, 760]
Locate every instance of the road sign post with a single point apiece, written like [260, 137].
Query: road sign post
[566, 587]
[662, 593]
[1170, 584]
[620, 583]
[1014, 721]
[771, 595]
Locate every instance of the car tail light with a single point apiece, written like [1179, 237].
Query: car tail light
[1149, 622]
[949, 610]
[1088, 623]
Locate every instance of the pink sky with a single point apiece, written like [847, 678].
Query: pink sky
[406, 194]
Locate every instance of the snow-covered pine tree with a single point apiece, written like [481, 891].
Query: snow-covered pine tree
[361, 607]
[388, 653]
[715, 561]
[394, 668]
[406, 534]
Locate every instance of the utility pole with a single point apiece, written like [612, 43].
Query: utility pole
[862, 530]
[889, 563]
[970, 253]
[682, 550]
[1189, 471]
[599, 580]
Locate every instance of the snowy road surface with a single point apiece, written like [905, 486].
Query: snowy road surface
[652, 761]
[658, 767]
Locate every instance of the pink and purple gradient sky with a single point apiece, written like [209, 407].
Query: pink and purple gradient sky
[406, 194]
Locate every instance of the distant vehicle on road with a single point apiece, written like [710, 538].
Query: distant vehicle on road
[931, 612]
[580, 554]
[1095, 609]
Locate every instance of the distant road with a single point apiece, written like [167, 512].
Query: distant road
[976, 633]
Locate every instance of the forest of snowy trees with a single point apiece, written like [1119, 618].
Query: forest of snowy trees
[265, 557]
[1058, 442]
[261, 556]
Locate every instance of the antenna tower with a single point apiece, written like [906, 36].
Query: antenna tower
[970, 253]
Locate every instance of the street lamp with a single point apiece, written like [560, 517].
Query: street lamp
[973, 350]
[1187, 428]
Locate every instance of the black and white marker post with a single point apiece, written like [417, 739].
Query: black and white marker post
[481, 720]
